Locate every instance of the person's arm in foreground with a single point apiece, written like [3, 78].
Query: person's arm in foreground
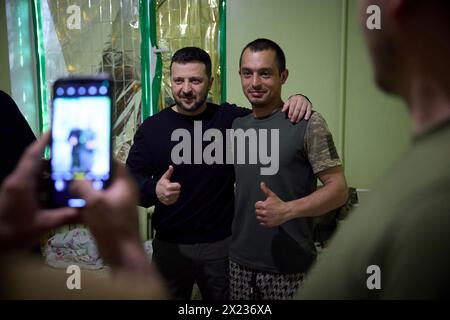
[22, 219]
[111, 216]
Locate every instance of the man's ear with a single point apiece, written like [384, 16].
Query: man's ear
[284, 75]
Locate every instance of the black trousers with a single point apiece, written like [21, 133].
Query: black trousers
[182, 265]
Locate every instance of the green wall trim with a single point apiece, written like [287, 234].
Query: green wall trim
[343, 79]
[223, 49]
[41, 84]
[157, 77]
[146, 107]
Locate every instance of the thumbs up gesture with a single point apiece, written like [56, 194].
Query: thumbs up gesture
[166, 191]
[273, 211]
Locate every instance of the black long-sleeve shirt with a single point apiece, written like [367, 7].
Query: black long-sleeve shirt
[15, 135]
[204, 210]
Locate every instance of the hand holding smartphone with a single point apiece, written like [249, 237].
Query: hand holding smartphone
[81, 136]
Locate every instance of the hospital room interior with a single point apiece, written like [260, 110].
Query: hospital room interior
[134, 40]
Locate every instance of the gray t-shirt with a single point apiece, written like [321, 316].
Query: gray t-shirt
[304, 149]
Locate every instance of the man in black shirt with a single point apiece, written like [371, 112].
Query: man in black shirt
[193, 196]
[15, 135]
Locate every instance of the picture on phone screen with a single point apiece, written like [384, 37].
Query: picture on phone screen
[81, 137]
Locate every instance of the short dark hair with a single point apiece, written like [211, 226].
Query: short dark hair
[262, 44]
[192, 54]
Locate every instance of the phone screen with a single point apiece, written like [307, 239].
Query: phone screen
[81, 137]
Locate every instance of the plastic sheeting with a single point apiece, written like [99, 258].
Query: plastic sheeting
[21, 64]
[90, 36]
[181, 23]
[87, 37]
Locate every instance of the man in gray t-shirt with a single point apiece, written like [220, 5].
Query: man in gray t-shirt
[277, 164]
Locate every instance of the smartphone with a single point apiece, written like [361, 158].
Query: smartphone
[81, 144]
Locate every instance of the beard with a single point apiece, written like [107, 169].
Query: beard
[195, 107]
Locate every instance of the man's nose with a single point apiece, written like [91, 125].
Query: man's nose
[187, 88]
[256, 81]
